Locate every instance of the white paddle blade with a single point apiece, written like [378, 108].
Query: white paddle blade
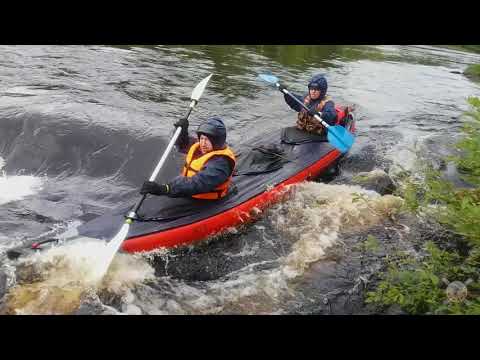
[198, 91]
[271, 79]
[111, 249]
[117, 241]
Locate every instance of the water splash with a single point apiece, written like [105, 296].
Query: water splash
[16, 187]
[108, 253]
[55, 281]
[312, 220]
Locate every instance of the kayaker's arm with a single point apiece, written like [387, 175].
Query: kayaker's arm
[329, 114]
[216, 171]
[184, 140]
[292, 103]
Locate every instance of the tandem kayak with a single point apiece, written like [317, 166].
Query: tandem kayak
[266, 164]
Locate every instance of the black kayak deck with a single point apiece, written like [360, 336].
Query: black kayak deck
[262, 163]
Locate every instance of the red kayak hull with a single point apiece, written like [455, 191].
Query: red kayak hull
[243, 213]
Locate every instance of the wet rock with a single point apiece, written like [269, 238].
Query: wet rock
[395, 310]
[133, 310]
[92, 305]
[437, 148]
[338, 284]
[108, 310]
[365, 160]
[89, 309]
[328, 287]
[29, 273]
[376, 180]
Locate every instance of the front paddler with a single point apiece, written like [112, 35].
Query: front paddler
[209, 164]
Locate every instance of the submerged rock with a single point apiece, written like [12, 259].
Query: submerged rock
[89, 309]
[376, 180]
[338, 284]
[92, 305]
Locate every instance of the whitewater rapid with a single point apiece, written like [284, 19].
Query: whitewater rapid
[17, 187]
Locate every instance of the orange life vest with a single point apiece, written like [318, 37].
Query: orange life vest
[193, 166]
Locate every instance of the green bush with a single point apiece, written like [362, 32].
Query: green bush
[419, 286]
[470, 48]
[473, 71]
[469, 162]
[412, 284]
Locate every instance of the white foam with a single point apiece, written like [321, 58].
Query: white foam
[312, 220]
[68, 271]
[17, 187]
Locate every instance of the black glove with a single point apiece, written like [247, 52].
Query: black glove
[183, 123]
[151, 187]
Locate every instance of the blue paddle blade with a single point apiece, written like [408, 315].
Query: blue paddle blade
[340, 138]
[271, 79]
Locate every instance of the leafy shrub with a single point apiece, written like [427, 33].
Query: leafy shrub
[419, 286]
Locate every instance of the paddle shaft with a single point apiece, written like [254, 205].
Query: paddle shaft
[133, 214]
[316, 116]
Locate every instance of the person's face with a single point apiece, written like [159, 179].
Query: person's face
[205, 144]
[314, 93]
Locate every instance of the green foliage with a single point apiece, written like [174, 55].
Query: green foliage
[457, 209]
[471, 48]
[474, 48]
[469, 162]
[360, 178]
[411, 196]
[419, 286]
[473, 70]
[370, 244]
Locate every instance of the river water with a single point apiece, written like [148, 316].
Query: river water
[81, 127]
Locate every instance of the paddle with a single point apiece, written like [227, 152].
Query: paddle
[116, 242]
[337, 135]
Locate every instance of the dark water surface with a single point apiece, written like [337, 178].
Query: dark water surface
[81, 127]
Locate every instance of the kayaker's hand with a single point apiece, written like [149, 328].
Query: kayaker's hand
[281, 88]
[183, 123]
[151, 187]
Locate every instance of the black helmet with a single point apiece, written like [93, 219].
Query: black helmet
[319, 82]
[215, 130]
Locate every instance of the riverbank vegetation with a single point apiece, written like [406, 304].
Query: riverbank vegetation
[443, 278]
[473, 71]
[471, 48]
